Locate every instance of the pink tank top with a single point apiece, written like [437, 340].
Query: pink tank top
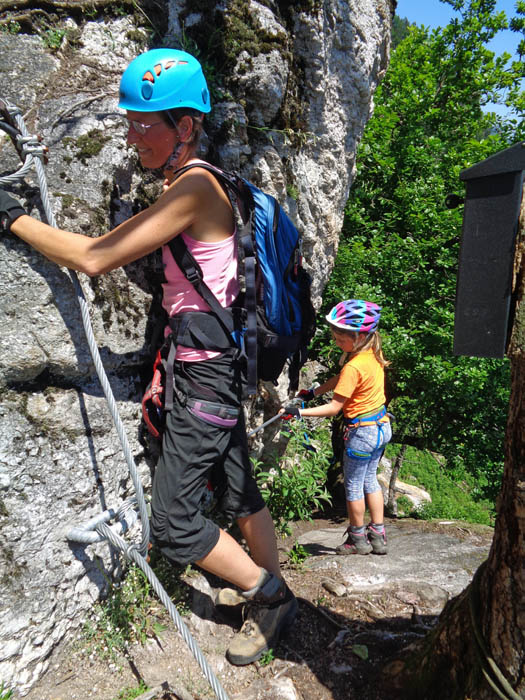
[218, 261]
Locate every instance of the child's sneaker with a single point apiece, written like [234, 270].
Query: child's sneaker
[377, 538]
[356, 543]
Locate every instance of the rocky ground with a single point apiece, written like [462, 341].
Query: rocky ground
[354, 613]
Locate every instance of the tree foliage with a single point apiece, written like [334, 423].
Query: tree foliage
[400, 243]
[399, 30]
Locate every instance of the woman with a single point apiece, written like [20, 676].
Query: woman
[165, 96]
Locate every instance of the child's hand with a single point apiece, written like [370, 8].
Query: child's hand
[306, 394]
[290, 412]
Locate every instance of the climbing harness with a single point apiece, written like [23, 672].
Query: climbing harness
[153, 412]
[378, 418]
[32, 153]
[158, 397]
[367, 419]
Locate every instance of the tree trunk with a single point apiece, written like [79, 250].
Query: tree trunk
[391, 504]
[477, 650]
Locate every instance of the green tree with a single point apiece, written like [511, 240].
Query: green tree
[400, 27]
[400, 248]
[400, 243]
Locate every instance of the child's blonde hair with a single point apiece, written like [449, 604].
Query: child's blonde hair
[364, 341]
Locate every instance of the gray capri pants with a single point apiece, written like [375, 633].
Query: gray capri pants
[364, 447]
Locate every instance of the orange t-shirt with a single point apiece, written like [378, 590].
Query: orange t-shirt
[362, 383]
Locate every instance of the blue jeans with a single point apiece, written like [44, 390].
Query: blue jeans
[364, 447]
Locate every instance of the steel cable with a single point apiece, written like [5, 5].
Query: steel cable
[88, 329]
[130, 551]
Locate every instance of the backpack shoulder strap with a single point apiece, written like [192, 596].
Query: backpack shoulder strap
[241, 199]
[231, 184]
[193, 273]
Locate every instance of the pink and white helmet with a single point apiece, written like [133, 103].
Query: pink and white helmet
[355, 315]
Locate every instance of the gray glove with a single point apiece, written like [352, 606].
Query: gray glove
[291, 412]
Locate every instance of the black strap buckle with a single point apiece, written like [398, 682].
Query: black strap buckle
[193, 275]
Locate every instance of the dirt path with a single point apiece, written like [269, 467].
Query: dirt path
[354, 612]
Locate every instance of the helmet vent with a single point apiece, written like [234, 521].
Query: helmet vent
[147, 91]
[170, 64]
[157, 69]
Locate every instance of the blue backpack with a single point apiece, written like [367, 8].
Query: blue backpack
[273, 319]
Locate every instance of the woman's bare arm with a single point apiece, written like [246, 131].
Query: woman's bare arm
[179, 208]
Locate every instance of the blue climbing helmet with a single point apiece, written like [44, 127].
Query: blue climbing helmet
[355, 315]
[163, 79]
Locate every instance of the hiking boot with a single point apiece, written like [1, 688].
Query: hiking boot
[377, 539]
[356, 543]
[270, 611]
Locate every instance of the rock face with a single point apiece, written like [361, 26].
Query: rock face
[288, 113]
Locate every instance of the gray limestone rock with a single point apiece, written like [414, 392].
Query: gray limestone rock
[414, 558]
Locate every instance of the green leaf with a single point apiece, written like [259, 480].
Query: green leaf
[360, 650]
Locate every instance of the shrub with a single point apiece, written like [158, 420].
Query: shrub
[296, 484]
[454, 492]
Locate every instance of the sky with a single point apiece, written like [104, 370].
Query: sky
[434, 13]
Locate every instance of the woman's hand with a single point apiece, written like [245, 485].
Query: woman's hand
[10, 210]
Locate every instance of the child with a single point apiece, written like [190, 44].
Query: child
[359, 391]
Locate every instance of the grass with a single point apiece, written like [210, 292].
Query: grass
[53, 38]
[453, 494]
[131, 612]
[131, 693]
[267, 658]
[297, 556]
[5, 693]
[294, 487]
